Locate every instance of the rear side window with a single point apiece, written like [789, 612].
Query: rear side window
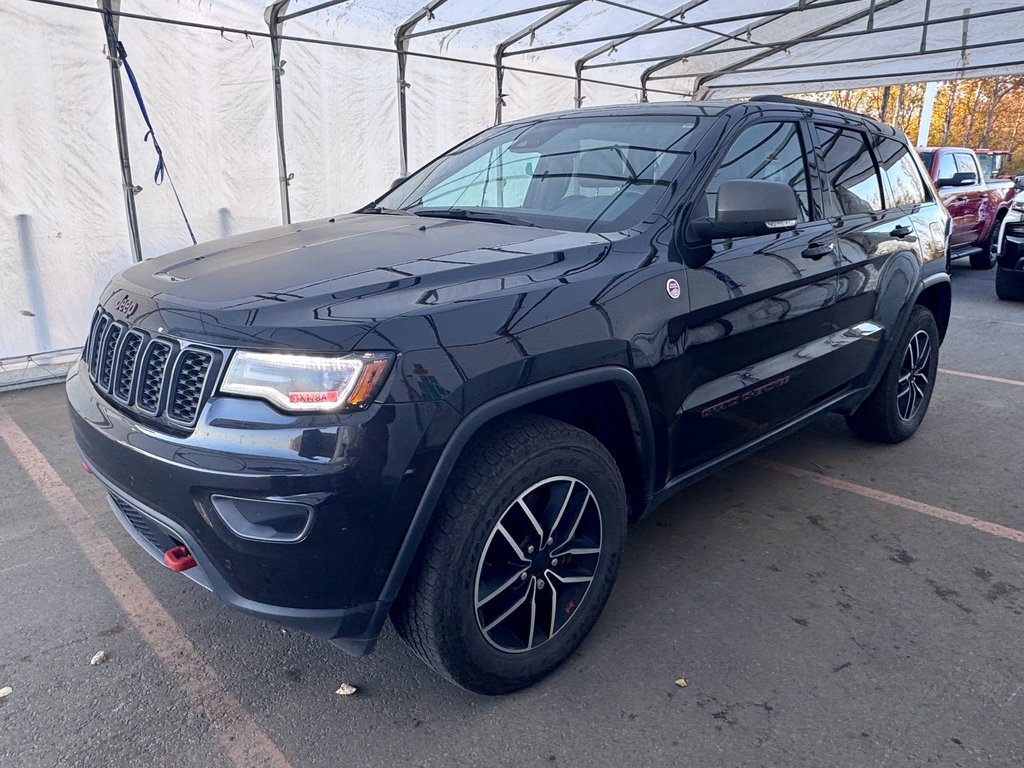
[902, 174]
[851, 170]
[769, 152]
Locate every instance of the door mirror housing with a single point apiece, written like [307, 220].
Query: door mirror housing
[749, 207]
[959, 179]
[396, 181]
[1018, 181]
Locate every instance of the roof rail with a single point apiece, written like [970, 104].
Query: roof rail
[804, 103]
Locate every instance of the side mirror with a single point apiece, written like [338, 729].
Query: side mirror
[397, 180]
[1018, 181]
[959, 179]
[749, 207]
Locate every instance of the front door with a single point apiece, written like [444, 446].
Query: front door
[759, 306]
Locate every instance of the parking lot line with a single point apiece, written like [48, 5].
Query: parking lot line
[898, 501]
[245, 743]
[982, 377]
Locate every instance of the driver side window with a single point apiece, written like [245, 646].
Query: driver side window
[770, 151]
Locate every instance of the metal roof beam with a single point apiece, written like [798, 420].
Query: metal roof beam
[814, 35]
[305, 11]
[913, 76]
[613, 44]
[792, 43]
[684, 25]
[490, 19]
[706, 48]
[879, 57]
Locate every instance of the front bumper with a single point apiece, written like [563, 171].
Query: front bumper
[362, 474]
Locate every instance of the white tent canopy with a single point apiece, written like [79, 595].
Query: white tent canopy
[308, 108]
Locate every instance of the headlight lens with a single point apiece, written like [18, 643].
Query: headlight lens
[305, 383]
[1018, 205]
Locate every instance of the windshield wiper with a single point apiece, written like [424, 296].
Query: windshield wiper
[387, 211]
[473, 215]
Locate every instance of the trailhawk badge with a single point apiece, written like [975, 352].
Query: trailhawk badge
[672, 286]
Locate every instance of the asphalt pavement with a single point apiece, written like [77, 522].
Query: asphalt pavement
[828, 603]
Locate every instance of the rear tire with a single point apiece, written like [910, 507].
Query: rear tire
[897, 405]
[1010, 285]
[506, 588]
[986, 259]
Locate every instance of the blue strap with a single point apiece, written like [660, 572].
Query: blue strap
[160, 172]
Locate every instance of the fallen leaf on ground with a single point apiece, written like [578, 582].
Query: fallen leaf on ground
[681, 682]
[99, 658]
[346, 690]
[6, 691]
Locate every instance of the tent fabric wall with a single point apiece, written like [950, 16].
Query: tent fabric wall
[62, 232]
[210, 94]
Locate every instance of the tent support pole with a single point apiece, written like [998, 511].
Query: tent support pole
[499, 82]
[272, 15]
[402, 49]
[508, 42]
[111, 8]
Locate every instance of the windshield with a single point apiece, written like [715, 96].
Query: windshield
[584, 174]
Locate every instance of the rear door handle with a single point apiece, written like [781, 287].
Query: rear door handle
[817, 251]
[901, 232]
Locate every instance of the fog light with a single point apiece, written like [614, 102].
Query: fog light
[264, 520]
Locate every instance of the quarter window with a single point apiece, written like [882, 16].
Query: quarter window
[768, 152]
[851, 169]
[902, 174]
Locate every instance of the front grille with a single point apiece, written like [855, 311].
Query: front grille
[161, 379]
[193, 368]
[125, 375]
[151, 533]
[153, 377]
[107, 351]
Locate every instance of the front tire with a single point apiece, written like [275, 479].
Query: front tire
[897, 405]
[521, 558]
[1010, 285]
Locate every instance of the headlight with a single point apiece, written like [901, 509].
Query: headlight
[318, 383]
[1018, 206]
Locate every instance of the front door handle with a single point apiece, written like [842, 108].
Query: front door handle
[817, 251]
[901, 232]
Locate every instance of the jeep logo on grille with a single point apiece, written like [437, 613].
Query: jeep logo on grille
[126, 306]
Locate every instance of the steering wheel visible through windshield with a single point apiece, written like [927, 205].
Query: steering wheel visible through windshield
[584, 174]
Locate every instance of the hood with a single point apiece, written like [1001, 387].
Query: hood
[338, 278]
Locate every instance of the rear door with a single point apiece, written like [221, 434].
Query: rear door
[873, 231]
[757, 304]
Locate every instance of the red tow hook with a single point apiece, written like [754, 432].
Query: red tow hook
[178, 559]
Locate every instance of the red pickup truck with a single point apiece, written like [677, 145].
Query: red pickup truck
[977, 205]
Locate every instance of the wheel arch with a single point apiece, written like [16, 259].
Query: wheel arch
[938, 298]
[595, 385]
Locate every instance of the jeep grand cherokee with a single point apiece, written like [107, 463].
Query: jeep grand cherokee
[446, 406]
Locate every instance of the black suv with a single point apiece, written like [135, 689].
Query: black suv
[446, 406]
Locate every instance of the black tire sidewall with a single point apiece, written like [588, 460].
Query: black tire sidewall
[920, 320]
[468, 657]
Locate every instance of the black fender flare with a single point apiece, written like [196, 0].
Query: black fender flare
[640, 417]
[897, 329]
